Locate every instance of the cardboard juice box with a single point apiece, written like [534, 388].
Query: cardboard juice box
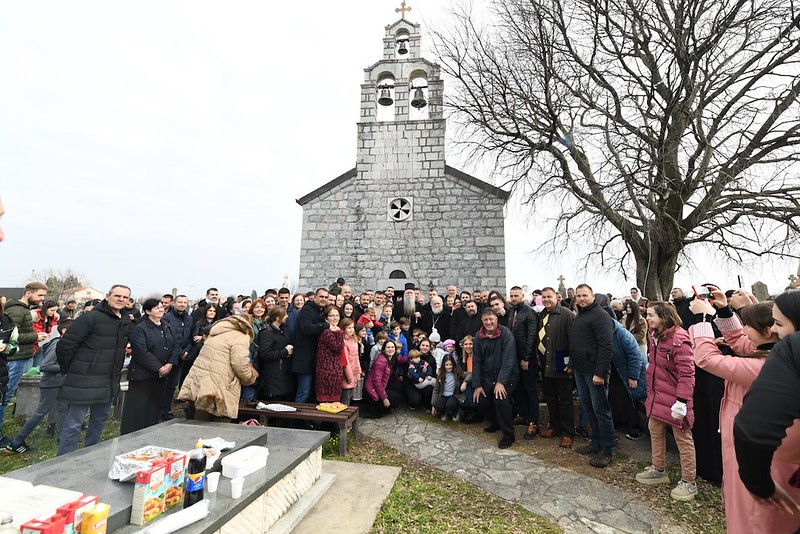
[73, 513]
[95, 520]
[148, 494]
[44, 525]
[175, 475]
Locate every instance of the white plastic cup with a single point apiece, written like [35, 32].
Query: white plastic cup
[212, 480]
[236, 487]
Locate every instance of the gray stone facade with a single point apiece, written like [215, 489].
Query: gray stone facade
[402, 214]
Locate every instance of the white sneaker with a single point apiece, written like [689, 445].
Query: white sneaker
[684, 491]
[457, 417]
[444, 417]
[652, 476]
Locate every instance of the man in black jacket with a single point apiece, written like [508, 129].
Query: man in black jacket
[310, 324]
[523, 323]
[552, 347]
[590, 344]
[182, 324]
[469, 323]
[212, 297]
[494, 375]
[91, 355]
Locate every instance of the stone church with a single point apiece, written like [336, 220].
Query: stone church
[402, 214]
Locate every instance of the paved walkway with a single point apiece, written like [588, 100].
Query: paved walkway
[577, 502]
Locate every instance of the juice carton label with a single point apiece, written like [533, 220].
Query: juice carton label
[176, 473]
[148, 494]
[95, 520]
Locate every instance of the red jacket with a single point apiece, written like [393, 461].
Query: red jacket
[377, 378]
[670, 376]
[43, 326]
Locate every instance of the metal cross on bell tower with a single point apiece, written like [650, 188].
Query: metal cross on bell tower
[402, 10]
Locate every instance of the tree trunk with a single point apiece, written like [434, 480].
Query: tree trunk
[655, 272]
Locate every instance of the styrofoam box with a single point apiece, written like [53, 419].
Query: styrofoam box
[243, 462]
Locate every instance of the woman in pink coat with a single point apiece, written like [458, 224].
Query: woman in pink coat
[670, 390]
[751, 338]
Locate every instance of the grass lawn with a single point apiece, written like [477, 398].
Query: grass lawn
[43, 448]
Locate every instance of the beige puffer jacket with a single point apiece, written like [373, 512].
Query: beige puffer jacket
[214, 382]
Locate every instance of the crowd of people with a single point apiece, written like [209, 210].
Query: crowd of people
[466, 356]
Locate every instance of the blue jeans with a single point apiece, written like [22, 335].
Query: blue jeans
[303, 387]
[16, 368]
[595, 400]
[75, 414]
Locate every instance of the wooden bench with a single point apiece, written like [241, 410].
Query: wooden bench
[345, 420]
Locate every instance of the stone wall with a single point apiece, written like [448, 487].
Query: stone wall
[456, 234]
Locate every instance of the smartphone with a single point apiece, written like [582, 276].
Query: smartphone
[704, 293]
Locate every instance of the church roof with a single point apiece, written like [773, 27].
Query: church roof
[448, 170]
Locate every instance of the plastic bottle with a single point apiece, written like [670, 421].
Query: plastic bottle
[6, 526]
[195, 476]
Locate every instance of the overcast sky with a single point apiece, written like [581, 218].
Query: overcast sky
[163, 144]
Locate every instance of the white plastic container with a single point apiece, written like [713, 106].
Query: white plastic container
[244, 462]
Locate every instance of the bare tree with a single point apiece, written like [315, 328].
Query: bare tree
[652, 126]
[60, 282]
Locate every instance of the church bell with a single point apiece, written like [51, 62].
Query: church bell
[385, 98]
[402, 49]
[418, 101]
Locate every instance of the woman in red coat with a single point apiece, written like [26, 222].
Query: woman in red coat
[378, 399]
[670, 389]
[330, 359]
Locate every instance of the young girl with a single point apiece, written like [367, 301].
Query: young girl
[447, 393]
[670, 388]
[363, 347]
[636, 324]
[470, 410]
[352, 371]
[380, 339]
[751, 338]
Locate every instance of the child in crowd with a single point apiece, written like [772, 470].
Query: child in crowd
[380, 339]
[670, 392]
[420, 372]
[471, 414]
[363, 347]
[416, 336]
[448, 393]
[405, 329]
[49, 388]
[353, 371]
[397, 335]
[386, 315]
[449, 347]
[370, 321]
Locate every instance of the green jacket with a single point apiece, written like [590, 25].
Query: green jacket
[21, 315]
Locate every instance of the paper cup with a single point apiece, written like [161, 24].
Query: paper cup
[236, 487]
[212, 479]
